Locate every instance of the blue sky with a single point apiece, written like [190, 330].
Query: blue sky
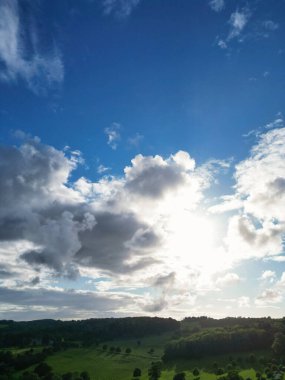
[142, 158]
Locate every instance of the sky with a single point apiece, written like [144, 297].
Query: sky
[142, 158]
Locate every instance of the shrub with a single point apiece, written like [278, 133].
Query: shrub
[179, 376]
[42, 369]
[85, 375]
[137, 372]
[196, 372]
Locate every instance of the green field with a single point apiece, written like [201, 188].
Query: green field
[103, 365]
[72, 347]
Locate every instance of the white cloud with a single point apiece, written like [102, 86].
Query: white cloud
[222, 44]
[229, 203]
[152, 217]
[238, 21]
[243, 301]
[119, 8]
[260, 178]
[228, 279]
[268, 275]
[38, 70]
[278, 259]
[273, 295]
[217, 5]
[269, 296]
[113, 134]
[102, 169]
[257, 230]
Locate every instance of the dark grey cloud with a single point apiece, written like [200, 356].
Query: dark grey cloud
[37, 204]
[113, 227]
[277, 186]
[156, 305]
[153, 177]
[66, 303]
[35, 281]
[113, 241]
[29, 175]
[5, 272]
[164, 281]
[257, 236]
[154, 181]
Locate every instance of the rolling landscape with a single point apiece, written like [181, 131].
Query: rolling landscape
[144, 348]
[142, 189]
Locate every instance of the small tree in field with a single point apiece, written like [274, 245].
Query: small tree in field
[252, 358]
[85, 375]
[137, 372]
[278, 345]
[154, 372]
[196, 372]
[179, 376]
[43, 369]
[220, 371]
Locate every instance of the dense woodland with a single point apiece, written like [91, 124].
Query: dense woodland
[188, 339]
[90, 331]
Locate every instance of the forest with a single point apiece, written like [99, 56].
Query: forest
[149, 348]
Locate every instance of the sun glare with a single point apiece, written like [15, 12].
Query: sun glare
[191, 239]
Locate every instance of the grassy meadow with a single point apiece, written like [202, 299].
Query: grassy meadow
[110, 349]
[104, 365]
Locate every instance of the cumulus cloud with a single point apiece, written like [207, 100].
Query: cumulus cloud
[260, 179]
[228, 279]
[104, 225]
[153, 217]
[273, 295]
[257, 230]
[269, 296]
[114, 241]
[113, 134]
[119, 8]
[37, 69]
[152, 176]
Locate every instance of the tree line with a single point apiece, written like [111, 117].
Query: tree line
[219, 341]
